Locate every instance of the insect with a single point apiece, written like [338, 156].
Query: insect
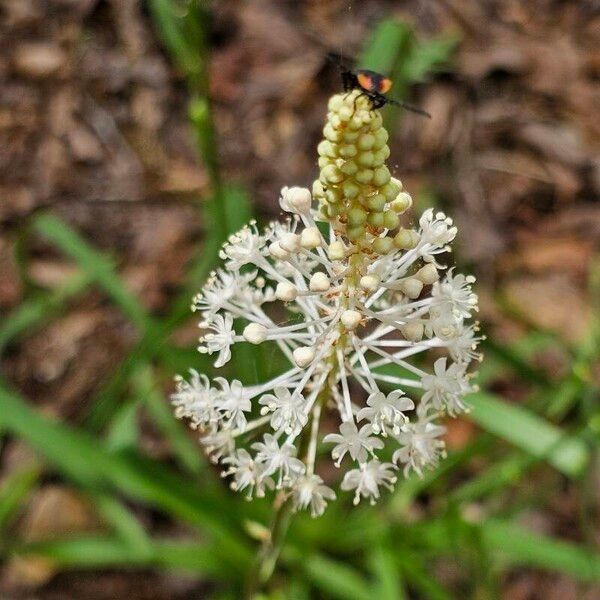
[373, 85]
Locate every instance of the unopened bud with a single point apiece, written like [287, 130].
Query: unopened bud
[277, 251]
[296, 199]
[290, 242]
[369, 283]
[336, 251]
[413, 332]
[351, 319]
[303, 356]
[412, 287]
[255, 333]
[427, 274]
[310, 238]
[286, 291]
[319, 282]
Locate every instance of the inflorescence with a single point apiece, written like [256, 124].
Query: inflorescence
[349, 297]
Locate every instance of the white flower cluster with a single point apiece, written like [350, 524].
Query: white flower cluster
[348, 330]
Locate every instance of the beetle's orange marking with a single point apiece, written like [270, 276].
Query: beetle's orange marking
[365, 81]
[385, 85]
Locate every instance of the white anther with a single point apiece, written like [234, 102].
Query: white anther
[255, 333]
[303, 356]
[351, 319]
[310, 238]
[286, 291]
[319, 282]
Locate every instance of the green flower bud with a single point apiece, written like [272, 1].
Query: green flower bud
[348, 151]
[332, 174]
[366, 159]
[390, 190]
[381, 176]
[381, 138]
[350, 189]
[356, 233]
[406, 239]
[364, 176]
[390, 219]
[349, 168]
[376, 203]
[366, 141]
[351, 136]
[375, 219]
[383, 245]
[356, 216]
[335, 103]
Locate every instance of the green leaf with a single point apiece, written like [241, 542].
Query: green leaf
[124, 523]
[14, 490]
[159, 409]
[105, 552]
[525, 548]
[388, 585]
[390, 39]
[81, 458]
[429, 56]
[35, 311]
[92, 262]
[123, 430]
[529, 432]
[336, 579]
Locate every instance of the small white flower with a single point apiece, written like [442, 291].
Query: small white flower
[386, 411]
[421, 446]
[247, 474]
[455, 290]
[463, 348]
[195, 400]
[367, 479]
[218, 444]
[288, 410]
[437, 230]
[309, 491]
[243, 247]
[358, 443]
[232, 403]
[445, 388]
[275, 459]
[221, 338]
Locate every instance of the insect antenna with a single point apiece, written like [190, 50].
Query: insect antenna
[410, 107]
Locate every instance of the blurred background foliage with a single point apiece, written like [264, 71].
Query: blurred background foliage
[109, 226]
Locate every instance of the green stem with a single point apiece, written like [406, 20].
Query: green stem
[271, 548]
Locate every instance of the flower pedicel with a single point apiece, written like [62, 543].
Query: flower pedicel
[363, 297]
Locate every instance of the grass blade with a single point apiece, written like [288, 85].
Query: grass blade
[15, 489]
[92, 262]
[157, 405]
[526, 548]
[529, 432]
[336, 579]
[81, 458]
[105, 552]
[38, 309]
